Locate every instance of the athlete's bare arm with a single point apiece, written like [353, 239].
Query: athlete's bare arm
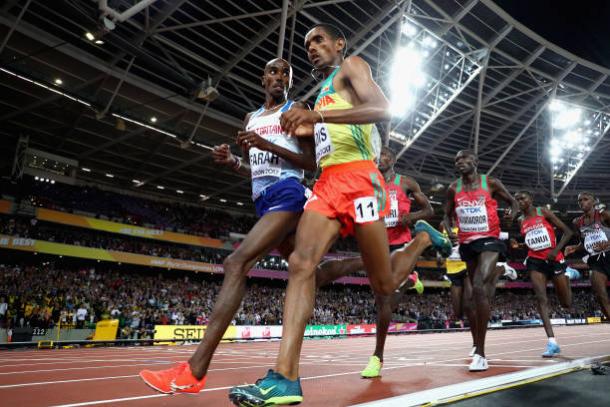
[567, 232]
[356, 84]
[409, 184]
[222, 155]
[499, 191]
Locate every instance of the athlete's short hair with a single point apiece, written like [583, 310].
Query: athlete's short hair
[334, 32]
[468, 152]
[591, 194]
[389, 151]
[524, 192]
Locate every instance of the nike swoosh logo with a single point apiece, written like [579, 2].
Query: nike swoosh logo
[264, 392]
[275, 207]
[175, 387]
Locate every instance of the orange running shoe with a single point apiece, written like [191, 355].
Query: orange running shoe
[178, 379]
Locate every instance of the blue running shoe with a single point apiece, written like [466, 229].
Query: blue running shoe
[439, 241]
[552, 349]
[272, 390]
[572, 273]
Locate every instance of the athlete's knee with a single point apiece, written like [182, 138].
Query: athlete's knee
[384, 288]
[479, 291]
[300, 266]
[234, 266]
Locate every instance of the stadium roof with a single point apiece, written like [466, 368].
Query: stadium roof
[155, 62]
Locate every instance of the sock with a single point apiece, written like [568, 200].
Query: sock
[552, 340]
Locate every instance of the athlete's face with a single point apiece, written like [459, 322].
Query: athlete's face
[465, 162]
[386, 160]
[277, 78]
[586, 202]
[322, 49]
[524, 201]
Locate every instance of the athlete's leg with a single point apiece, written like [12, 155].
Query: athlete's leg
[385, 305]
[599, 281]
[539, 281]
[373, 243]
[563, 290]
[315, 234]
[468, 306]
[405, 259]
[484, 276]
[266, 234]
[457, 291]
[331, 270]
[498, 272]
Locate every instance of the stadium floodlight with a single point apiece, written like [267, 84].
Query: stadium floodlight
[408, 29]
[425, 75]
[406, 77]
[575, 132]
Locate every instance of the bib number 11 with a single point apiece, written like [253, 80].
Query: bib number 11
[366, 209]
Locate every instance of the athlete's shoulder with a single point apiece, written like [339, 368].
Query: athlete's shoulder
[354, 63]
[409, 183]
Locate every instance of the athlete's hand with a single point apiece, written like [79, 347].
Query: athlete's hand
[552, 255]
[222, 155]
[570, 249]
[601, 246]
[513, 243]
[296, 117]
[249, 139]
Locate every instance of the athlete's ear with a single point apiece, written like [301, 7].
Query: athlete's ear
[340, 45]
[263, 80]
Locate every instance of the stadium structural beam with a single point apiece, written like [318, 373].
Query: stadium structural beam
[573, 173]
[14, 25]
[477, 115]
[282, 34]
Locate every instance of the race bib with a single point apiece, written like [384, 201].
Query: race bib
[391, 220]
[366, 209]
[538, 239]
[324, 145]
[472, 218]
[264, 164]
[594, 237]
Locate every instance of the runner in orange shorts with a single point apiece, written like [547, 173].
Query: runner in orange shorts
[349, 198]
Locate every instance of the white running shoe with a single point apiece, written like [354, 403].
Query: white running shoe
[509, 272]
[472, 351]
[479, 364]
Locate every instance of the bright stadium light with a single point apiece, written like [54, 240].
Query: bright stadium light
[406, 77]
[575, 132]
[408, 29]
[427, 73]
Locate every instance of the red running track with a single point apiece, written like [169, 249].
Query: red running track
[329, 369]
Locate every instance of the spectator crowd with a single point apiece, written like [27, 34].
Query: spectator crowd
[43, 295]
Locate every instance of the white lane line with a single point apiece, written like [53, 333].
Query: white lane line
[75, 368]
[6, 386]
[89, 403]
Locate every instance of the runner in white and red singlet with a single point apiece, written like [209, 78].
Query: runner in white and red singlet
[593, 228]
[471, 200]
[545, 260]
